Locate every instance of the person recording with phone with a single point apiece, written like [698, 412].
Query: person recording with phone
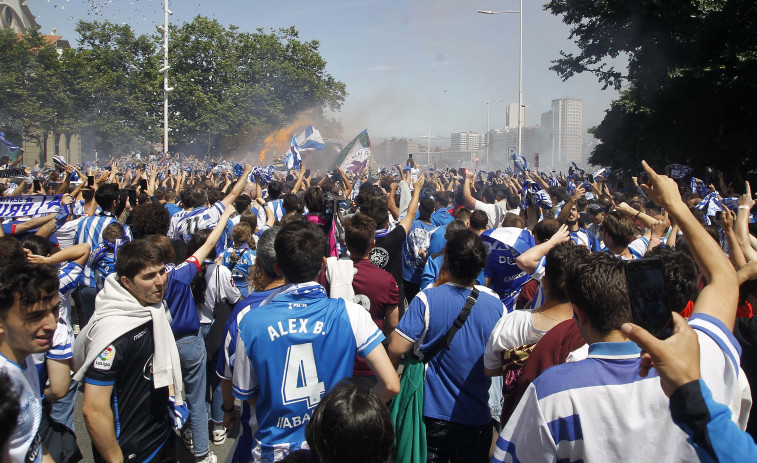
[708, 423]
[571, 410]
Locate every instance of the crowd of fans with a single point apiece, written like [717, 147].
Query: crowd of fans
[183, 300]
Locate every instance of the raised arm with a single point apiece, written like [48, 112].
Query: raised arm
[238, 188]
[735, 254]
[741, 225]
[529, 260]
[720, 297]
[470, 201]
[565, 211]
[214, 236]
[407, 221]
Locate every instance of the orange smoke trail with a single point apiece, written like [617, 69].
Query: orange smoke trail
[281, 139]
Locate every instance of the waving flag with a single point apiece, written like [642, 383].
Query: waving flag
[310, 139]
[11, 146]
[356, 155]
[293, 158]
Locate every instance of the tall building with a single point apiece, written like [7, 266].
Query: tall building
[511, 116]
[467, 141]
[567, 131]
[395, 150]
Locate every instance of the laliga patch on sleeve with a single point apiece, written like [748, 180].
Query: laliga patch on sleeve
[105, 360]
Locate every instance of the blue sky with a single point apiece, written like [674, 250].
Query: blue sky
[406, 63]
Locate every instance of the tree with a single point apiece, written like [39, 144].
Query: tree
[115, 86]
[233, 86]
[33, 98]
[688, 92]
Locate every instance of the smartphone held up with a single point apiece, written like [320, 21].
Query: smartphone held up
[648, 296]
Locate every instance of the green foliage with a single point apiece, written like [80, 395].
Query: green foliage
[689, 93]
[230, 86]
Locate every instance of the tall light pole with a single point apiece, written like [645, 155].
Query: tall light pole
[164, 70]
[488, 130]
[428, 138]
[520, 70]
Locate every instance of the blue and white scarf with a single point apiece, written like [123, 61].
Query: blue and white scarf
[710, 205]
[534, 194]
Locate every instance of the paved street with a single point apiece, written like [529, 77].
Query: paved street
[184, 456]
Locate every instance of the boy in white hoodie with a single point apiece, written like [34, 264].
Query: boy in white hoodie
[129, 362]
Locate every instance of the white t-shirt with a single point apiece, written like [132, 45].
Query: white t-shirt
[495, 212]
[25, 444]
[220, 286]
[514, 329]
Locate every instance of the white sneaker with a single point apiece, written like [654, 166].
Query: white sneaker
[186, 435]
[209, 458]
[219, 436]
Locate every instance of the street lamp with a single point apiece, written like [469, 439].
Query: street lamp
[520, 70]
[164, 70]
[488, 135]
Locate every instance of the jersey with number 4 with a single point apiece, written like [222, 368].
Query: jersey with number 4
[289, 353]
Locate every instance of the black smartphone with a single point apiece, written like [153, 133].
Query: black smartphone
[90, 180]
[648, 295]
[37, 185]
[307, 173]
[143, 184]
[133, 197]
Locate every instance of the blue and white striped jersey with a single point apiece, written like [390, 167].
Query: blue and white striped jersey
[600, 409]
[586, 238]
[69, 277]
[90, 230]
[292, 350]
[277, 206]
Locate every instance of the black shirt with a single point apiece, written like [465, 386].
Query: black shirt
[141, 418]
[387, 255]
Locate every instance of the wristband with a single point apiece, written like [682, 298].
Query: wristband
[745, 207]
[636, 217]
[229, 410]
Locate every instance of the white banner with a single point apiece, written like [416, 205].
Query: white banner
[29, 205]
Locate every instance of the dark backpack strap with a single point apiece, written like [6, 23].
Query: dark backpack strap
[446, 341]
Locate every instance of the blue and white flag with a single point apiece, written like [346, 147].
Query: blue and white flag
[571, 187]
[29, 205]
[553, 182]
[710, 205]
[293, 158]
[11, 146]
[698, 187]
[603, 172]
[310, 139]
[521, 163]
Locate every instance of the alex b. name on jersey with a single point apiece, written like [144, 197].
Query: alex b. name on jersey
[294, 325]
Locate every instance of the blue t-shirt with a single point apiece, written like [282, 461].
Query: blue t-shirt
[181, 304]
[438, 241]
[504, 245]
[419, 237]
[456, 386]
[172, 208]
[441, 217]
[432, 268]
[290, 352]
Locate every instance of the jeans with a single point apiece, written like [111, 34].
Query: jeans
[63, 409]
[87, 296]
[214, 398]
[193, 364]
